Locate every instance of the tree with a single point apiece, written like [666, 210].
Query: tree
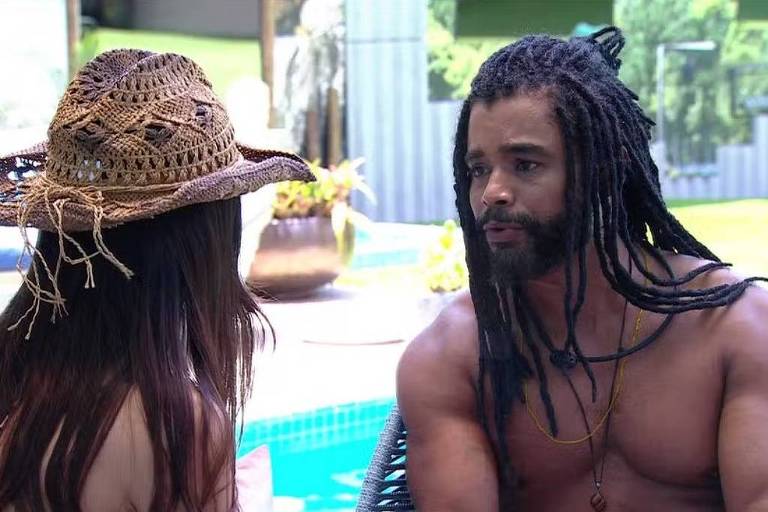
[697, 98]
[452, 63]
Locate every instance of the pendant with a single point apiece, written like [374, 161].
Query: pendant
[598, 502]
[563, 359]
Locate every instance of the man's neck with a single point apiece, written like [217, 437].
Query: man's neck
[601, 303]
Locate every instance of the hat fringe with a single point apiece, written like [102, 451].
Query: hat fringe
[55, 197]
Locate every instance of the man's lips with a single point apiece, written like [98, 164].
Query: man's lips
[500, 232]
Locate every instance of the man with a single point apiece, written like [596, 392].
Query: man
[603, 357]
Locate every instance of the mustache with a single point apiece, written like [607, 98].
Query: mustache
[523, 220]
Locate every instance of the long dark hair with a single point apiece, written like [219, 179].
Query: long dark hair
[184, 325]
[615, 197]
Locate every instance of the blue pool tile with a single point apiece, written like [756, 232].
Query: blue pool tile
[320, 456]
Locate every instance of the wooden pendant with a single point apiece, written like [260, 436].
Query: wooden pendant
[598, 502]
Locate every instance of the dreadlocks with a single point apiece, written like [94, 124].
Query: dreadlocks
[615, 198]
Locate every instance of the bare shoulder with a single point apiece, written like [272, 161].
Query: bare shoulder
[743, 332]
[740, 326]
[451, 339]
[214, 455]
[124, 469]
[439, 365]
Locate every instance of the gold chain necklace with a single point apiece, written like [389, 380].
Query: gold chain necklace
[611, 404]
[597, 501]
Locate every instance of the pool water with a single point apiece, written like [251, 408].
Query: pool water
[384, 244]
[320, 457]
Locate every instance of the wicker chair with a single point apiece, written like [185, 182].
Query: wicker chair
[385, 487]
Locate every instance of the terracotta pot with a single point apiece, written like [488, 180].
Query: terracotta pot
[296, 257]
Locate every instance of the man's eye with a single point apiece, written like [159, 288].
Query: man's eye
[526, 166]
[477, 170]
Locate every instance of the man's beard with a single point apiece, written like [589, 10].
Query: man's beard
[543, 249]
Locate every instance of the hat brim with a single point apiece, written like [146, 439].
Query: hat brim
[22, 175]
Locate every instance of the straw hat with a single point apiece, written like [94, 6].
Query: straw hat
[136, 134]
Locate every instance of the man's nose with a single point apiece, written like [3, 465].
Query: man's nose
[499, 190]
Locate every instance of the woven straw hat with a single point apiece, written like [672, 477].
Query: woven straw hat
[136, 134]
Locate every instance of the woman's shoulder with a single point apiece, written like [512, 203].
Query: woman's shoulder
[123, 474]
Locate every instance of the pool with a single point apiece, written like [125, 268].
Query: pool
[388, 243]
[320, 456]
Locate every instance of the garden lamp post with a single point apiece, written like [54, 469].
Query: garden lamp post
[661, 51]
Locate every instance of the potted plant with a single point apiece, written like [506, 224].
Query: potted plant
[311, 235]
[444, 269]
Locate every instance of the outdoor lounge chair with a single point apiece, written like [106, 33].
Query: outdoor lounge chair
[385, 487]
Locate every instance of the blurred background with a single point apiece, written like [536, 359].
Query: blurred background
[368, 91]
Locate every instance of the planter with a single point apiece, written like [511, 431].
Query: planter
[296, 257]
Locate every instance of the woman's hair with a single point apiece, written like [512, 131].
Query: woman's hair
[181, 333]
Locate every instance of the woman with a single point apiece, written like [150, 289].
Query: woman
[126, 354]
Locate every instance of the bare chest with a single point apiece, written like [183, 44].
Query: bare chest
[661, 425]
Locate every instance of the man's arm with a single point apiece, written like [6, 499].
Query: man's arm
[451, 464]
[743, 436]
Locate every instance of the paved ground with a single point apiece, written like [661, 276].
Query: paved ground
[341, 346]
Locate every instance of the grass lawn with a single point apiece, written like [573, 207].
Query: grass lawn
[223, 60]
[737, 231]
